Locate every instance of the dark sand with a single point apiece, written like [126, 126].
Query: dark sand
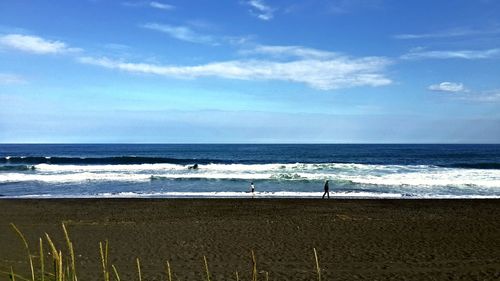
[355, 239]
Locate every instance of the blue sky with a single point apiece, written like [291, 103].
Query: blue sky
[250, 71]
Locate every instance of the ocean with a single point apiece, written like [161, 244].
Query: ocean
[226, 170]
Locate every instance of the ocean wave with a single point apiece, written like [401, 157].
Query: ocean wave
[341, 174]
[72, 178]
[217, 163]
[16, 168]
[234, 168]
[115, 160]
[129, 168]
[429, 177]
[487, 166]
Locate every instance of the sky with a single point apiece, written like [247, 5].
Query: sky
[250, 71]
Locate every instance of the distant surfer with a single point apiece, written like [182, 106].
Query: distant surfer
[327, 190]
[252, 188]
[194, 167]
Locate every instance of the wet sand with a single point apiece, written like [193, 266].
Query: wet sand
[355, 239]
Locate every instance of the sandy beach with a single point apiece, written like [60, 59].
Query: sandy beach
[355, 239]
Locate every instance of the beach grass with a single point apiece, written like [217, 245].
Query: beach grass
[65, 269]
[318, 270]
[25, 243]
[169, 272]
[353, 239]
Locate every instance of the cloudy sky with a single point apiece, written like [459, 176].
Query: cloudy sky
[250, 71]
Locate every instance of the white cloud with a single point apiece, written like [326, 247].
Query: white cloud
[349, 6]
[150, 4]
[34, 44]
[7, 79]
[289, 51]
[450, 87]
[462, 93]
[461, 54]
[183, 33]
[334, 73]
[161, 6]
[488, 96]
[261, 9]
[238, 40]
[457, 32]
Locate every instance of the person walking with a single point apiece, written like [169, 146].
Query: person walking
[252, 188]
[327, 190]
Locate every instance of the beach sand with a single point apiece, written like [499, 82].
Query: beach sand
[355, 239]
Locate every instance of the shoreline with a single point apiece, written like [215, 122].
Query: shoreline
[247, 196]
[356, 239]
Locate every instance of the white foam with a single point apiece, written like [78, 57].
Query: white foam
[109, 168]
[420, 176]
[433, 178]
[280, 194]
[71, 178]
[246, 168]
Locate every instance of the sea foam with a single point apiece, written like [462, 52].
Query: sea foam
[423, 176]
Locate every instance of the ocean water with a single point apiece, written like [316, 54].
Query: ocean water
[226, 170]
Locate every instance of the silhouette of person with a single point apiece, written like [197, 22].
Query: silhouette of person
[327, 190]
[252, 187]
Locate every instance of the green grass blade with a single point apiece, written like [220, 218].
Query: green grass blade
[169, 272]
[12, 276]
[254, 267]
[42, 261]
[55, 257]
[16, 276]
[206, 268]
[53, 248]
[69, 244]
[117, 277]
[139, 269]
[27, 250]
[61, 268]
[318, 270]
[104, 260]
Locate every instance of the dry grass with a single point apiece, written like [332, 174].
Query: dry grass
[64, 265]
[318, 270]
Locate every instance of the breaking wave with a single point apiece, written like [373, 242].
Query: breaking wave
[340, 173]
[138, 160]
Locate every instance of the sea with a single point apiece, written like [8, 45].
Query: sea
[406, 171]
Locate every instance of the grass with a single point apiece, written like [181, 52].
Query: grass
[318, 270]
[30, 257]
[206, 268]
[104, 260]
[64, 263]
